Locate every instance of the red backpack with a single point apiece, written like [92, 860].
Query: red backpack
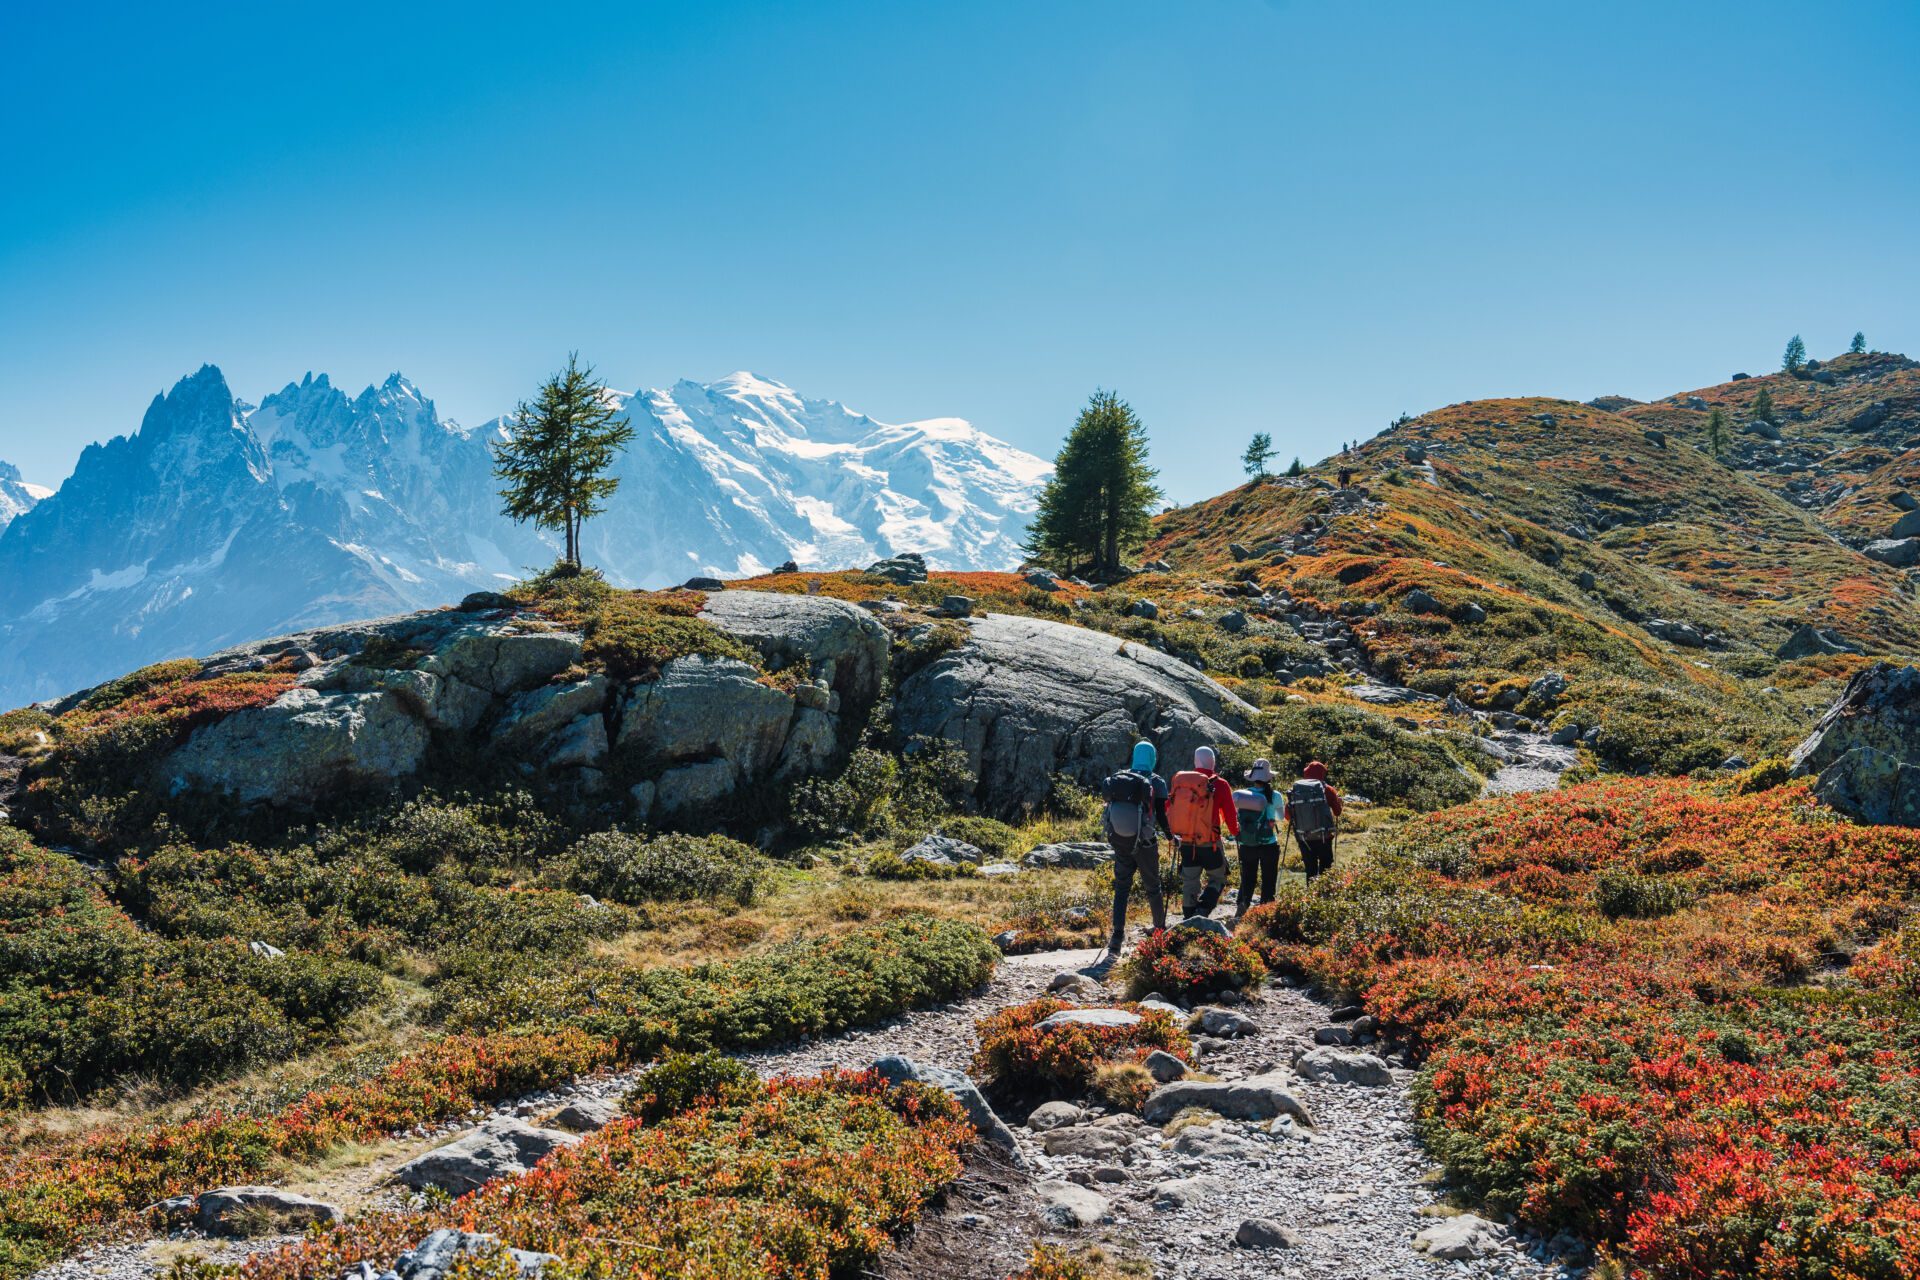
[1190, 815]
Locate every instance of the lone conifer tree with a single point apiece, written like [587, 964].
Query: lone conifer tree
[1796, 354]
[1298, 468]
[1717, 439]
[1859, 344]
[1259, 449]
[553, 467]
[1763, 406]
[1097, 507]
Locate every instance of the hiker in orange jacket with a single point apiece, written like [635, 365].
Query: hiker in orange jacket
[1199, 803]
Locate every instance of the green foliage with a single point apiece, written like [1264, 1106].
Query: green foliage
[1259, 449]
[1650, 729]
[852, 804]
[622, 867]
[633, 634]
[1368, 755]
[891, 866]
[1296, 468]
[553, 466]
[1718, 438]
[1796, 354]
[1762, 408]
[1623, 895]
[1096, 509]
[680, 1082]
[24, 730]
[1859, 344]
[145, 680]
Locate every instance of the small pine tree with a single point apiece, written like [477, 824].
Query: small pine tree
[553, 465]
[1259, 449]
[1717, 438]
[1763, 407]
[1296, 469]
[1098, 506]
[1796, 354]
[1859, 344]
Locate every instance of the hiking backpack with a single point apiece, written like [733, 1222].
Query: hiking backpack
[1307, 805]
[1190, 815]
[1129, 797]
[1257, 816]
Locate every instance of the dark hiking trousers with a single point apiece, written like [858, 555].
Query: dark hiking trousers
[1131, 855]
[1261, 863]
[1203, 877]
[1317, 854]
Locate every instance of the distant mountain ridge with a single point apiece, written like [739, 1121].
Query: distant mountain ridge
[219, 521]
[17, 497]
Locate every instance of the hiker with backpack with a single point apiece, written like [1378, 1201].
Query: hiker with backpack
[1312, 807]
[1135, 814]
[1199, 803]
[1259, 808]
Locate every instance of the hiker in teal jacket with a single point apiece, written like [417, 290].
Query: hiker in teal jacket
[1261, 811]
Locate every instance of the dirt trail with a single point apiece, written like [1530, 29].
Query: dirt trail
[1351, 1190]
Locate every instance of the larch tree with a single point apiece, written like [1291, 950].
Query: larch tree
[1097, 508]
[553, 467]
[1259, 449]
[1859, 344]
[1717, 437]
[1796, 354]
[1763, 407]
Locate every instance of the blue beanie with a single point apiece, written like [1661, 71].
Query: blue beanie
[1144, 757]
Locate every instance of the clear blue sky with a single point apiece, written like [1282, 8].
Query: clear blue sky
[1293, 217]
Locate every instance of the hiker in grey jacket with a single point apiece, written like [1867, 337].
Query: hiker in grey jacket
[1136, 812]
[1312, 807]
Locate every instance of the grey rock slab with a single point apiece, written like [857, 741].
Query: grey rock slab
[1164, 1067]
[1183, 1193]
[896, 1068]
[1226, 1022]
[1260, 1097]
[230, 1209]
[839, 642]
[301, 745]
[436, 1255]
[1077, 855]
[1209, 1142]
[1264, 1233]
[703, 709]
[497, 1148]
[1459, 1239]
[588, 1115]
[1329, 1064]
[538, 713]
[1865, 752]
[941, 851]
[1087, 1141]
[1027, 698]
[1089, 1018]
[1054, 1115]
[1062, 1204]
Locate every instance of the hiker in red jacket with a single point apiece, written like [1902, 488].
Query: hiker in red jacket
[1199, 803]
[1312, 806]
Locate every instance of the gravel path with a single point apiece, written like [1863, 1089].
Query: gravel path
[1349, 1192]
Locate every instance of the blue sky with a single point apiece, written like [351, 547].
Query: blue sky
[1298, 218]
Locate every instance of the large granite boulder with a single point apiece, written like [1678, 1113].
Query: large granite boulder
[1865, 752]
[496, 1149]
[376, 700]
[1028, 698]
[1809, 641]
[840, 643]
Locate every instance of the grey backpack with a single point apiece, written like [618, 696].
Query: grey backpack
[1309, 809]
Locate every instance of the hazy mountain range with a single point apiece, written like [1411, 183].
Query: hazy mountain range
[218, 521]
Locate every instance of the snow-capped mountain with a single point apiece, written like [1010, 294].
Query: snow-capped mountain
[218, 521]
[17, 497]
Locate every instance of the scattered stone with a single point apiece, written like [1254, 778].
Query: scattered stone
[264, 950]
[1042, 579]
[1089, 1018]
[475, 1158]
[1264, 1233]
[1075, 984]
[787, 566]
[1865, 752]
[253, 1209]
[1239, 551]
[703, 584]
[1054, 1115]
[1549, 688]
[1365, 1025]
[1164, 1067]
[587, 1115]
[1809, 641]
[1234, 621]
[903, 570]
[1419, 601]
[1143, 609]
[484, 602]
[1182, 1193]
[942, 851]
[1333, 1035]
[1203, 924]
[895, 1069]
[1901, 553]
[1459, 1239]
[1209, 1142]
[1227, 1023]
[438, 1254]
[1472, 614]
[1260, 1097]
[999, 869]
[1064, 1205]
[1658, 439]
[1087, 1141]
[956, 606]
[1343, 1066]
[1075, 855]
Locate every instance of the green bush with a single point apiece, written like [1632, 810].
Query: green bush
[23, 730]
[891, 866]
[681, 1081]
[623, 867]
[1620, 894]
[1369, 755]
[852, 804]
[989, 835]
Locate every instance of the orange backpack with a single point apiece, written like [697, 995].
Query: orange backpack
[1190, 815]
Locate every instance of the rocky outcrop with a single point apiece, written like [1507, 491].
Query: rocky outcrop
[1028, 698]
[1865, 752]
[494, 1150]
[1809, 641]
[375, 700]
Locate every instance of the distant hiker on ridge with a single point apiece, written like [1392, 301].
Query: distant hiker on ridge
[1199, 803]
[1135, 814]
[1312, 807]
